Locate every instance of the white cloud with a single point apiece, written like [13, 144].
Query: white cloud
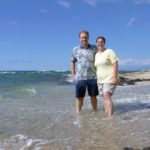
[135, 62]
[111, 1]
[91, 2]
[131, 21]
[13, 22]
[64, 3]
[95, 2]
[43, 11]
[142, 1]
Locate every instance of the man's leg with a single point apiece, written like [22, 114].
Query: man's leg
[93, 91]
[79, 104]
[80, 93]
[94, 102]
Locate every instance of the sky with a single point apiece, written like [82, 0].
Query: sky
[40, 34]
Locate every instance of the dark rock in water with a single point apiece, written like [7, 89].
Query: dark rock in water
[130, 78]
[146, 148]
[128, 148]
[127, 118]
[125, 81]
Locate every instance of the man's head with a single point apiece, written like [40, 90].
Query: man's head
[84, 38]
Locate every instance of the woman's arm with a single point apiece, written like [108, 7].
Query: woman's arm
[115, 73]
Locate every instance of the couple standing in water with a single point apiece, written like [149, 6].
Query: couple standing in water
[95, 68]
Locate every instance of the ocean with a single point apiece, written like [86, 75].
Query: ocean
[38, 113]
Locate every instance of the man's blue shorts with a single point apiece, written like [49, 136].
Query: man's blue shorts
[90, 84]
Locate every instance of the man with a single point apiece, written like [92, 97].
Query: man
[83, 71]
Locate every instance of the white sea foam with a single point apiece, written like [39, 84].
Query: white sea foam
[69, 78]
[32, 90]
[21, 142]
[5, 72]
[77, 122]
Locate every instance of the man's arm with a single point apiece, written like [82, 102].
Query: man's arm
[72, 66]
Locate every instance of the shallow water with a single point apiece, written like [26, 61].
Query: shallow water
[42, 117]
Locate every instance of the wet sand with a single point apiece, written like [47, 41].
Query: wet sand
[132, 132]
[127, 129]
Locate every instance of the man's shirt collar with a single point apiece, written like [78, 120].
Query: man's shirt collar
[89, 45]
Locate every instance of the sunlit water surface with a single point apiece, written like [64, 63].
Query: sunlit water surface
[42, 117]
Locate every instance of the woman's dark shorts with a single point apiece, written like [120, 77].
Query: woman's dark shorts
[91, 86]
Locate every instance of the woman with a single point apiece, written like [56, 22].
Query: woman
[106, 63]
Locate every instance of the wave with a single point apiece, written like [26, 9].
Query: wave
[31, 90]
[26, 77]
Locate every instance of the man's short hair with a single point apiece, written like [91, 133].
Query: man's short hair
[86, 32]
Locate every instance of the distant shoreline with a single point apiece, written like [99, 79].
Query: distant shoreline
[120, 71]
[132, 77]
[126, 77]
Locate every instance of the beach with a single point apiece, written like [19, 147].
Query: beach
[38, 113]
[135, 77]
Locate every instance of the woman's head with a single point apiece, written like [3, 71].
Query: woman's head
[100, 41]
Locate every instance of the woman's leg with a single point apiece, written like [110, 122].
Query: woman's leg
[108, 104]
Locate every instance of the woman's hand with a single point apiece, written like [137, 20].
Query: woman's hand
[115, 81]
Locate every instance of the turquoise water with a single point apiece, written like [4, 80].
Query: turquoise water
[38, 113]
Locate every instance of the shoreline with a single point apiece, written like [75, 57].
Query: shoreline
[135, 77]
